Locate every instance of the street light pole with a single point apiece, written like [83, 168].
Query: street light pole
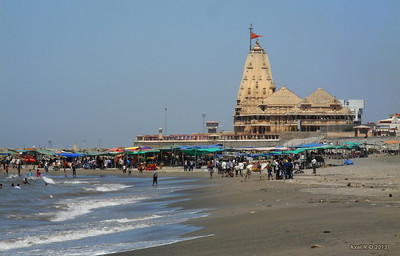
[204, 116]
[165, 121]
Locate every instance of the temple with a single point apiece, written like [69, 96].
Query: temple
[261, 109]
[265, 116]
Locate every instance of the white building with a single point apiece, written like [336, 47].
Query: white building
[390, 126]
[357, 107]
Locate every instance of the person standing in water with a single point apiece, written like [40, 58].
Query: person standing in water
[155, 177]
[74, 169]
[19, 166]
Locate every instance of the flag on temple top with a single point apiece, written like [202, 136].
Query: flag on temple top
[253, 36]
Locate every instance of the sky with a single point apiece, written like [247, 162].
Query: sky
[99, 73]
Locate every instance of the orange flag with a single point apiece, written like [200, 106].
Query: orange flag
[253, 36]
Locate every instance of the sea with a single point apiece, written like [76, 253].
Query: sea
[93, 215]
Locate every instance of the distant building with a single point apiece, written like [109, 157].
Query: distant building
[388, 127]
[362, 131]
[357, 107]
[212, 126]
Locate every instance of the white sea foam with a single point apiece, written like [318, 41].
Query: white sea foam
[126, 220]
[108, 187]
[147, 244]
[64, 236]
[75, 182]
[117, 247]
[75, 208]
[142, 245]
[48, 180]
[103, 229]
[12, 176]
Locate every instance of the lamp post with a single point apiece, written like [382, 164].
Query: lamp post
[165, 120]
[204, 116]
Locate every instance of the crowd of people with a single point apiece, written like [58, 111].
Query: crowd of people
[58, 163]
[275, 168]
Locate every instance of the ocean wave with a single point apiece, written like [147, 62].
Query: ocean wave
[70, 209]
[126, 220]
[12, 176]
[48, 180]
[75, 182]
[108, 187]
[63, 236]
[42, 237]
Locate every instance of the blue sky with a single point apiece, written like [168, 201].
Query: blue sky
[102, 72]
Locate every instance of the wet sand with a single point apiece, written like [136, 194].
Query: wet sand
[344, 210]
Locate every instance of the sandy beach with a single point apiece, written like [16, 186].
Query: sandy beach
[344, 210]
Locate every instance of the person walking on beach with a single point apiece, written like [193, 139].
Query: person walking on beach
[140, 168]
[289, 169]
[236, 168]
[210, 168]
[219, 167]
[155, 177]
[277, 169]
[269, 170]
[7, 169]
[228, 167]
[192, 165]
[314, 165]
[241, 168]
[223, 168]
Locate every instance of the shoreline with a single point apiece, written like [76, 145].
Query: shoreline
[327, 214]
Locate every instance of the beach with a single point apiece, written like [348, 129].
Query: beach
[343, 210]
